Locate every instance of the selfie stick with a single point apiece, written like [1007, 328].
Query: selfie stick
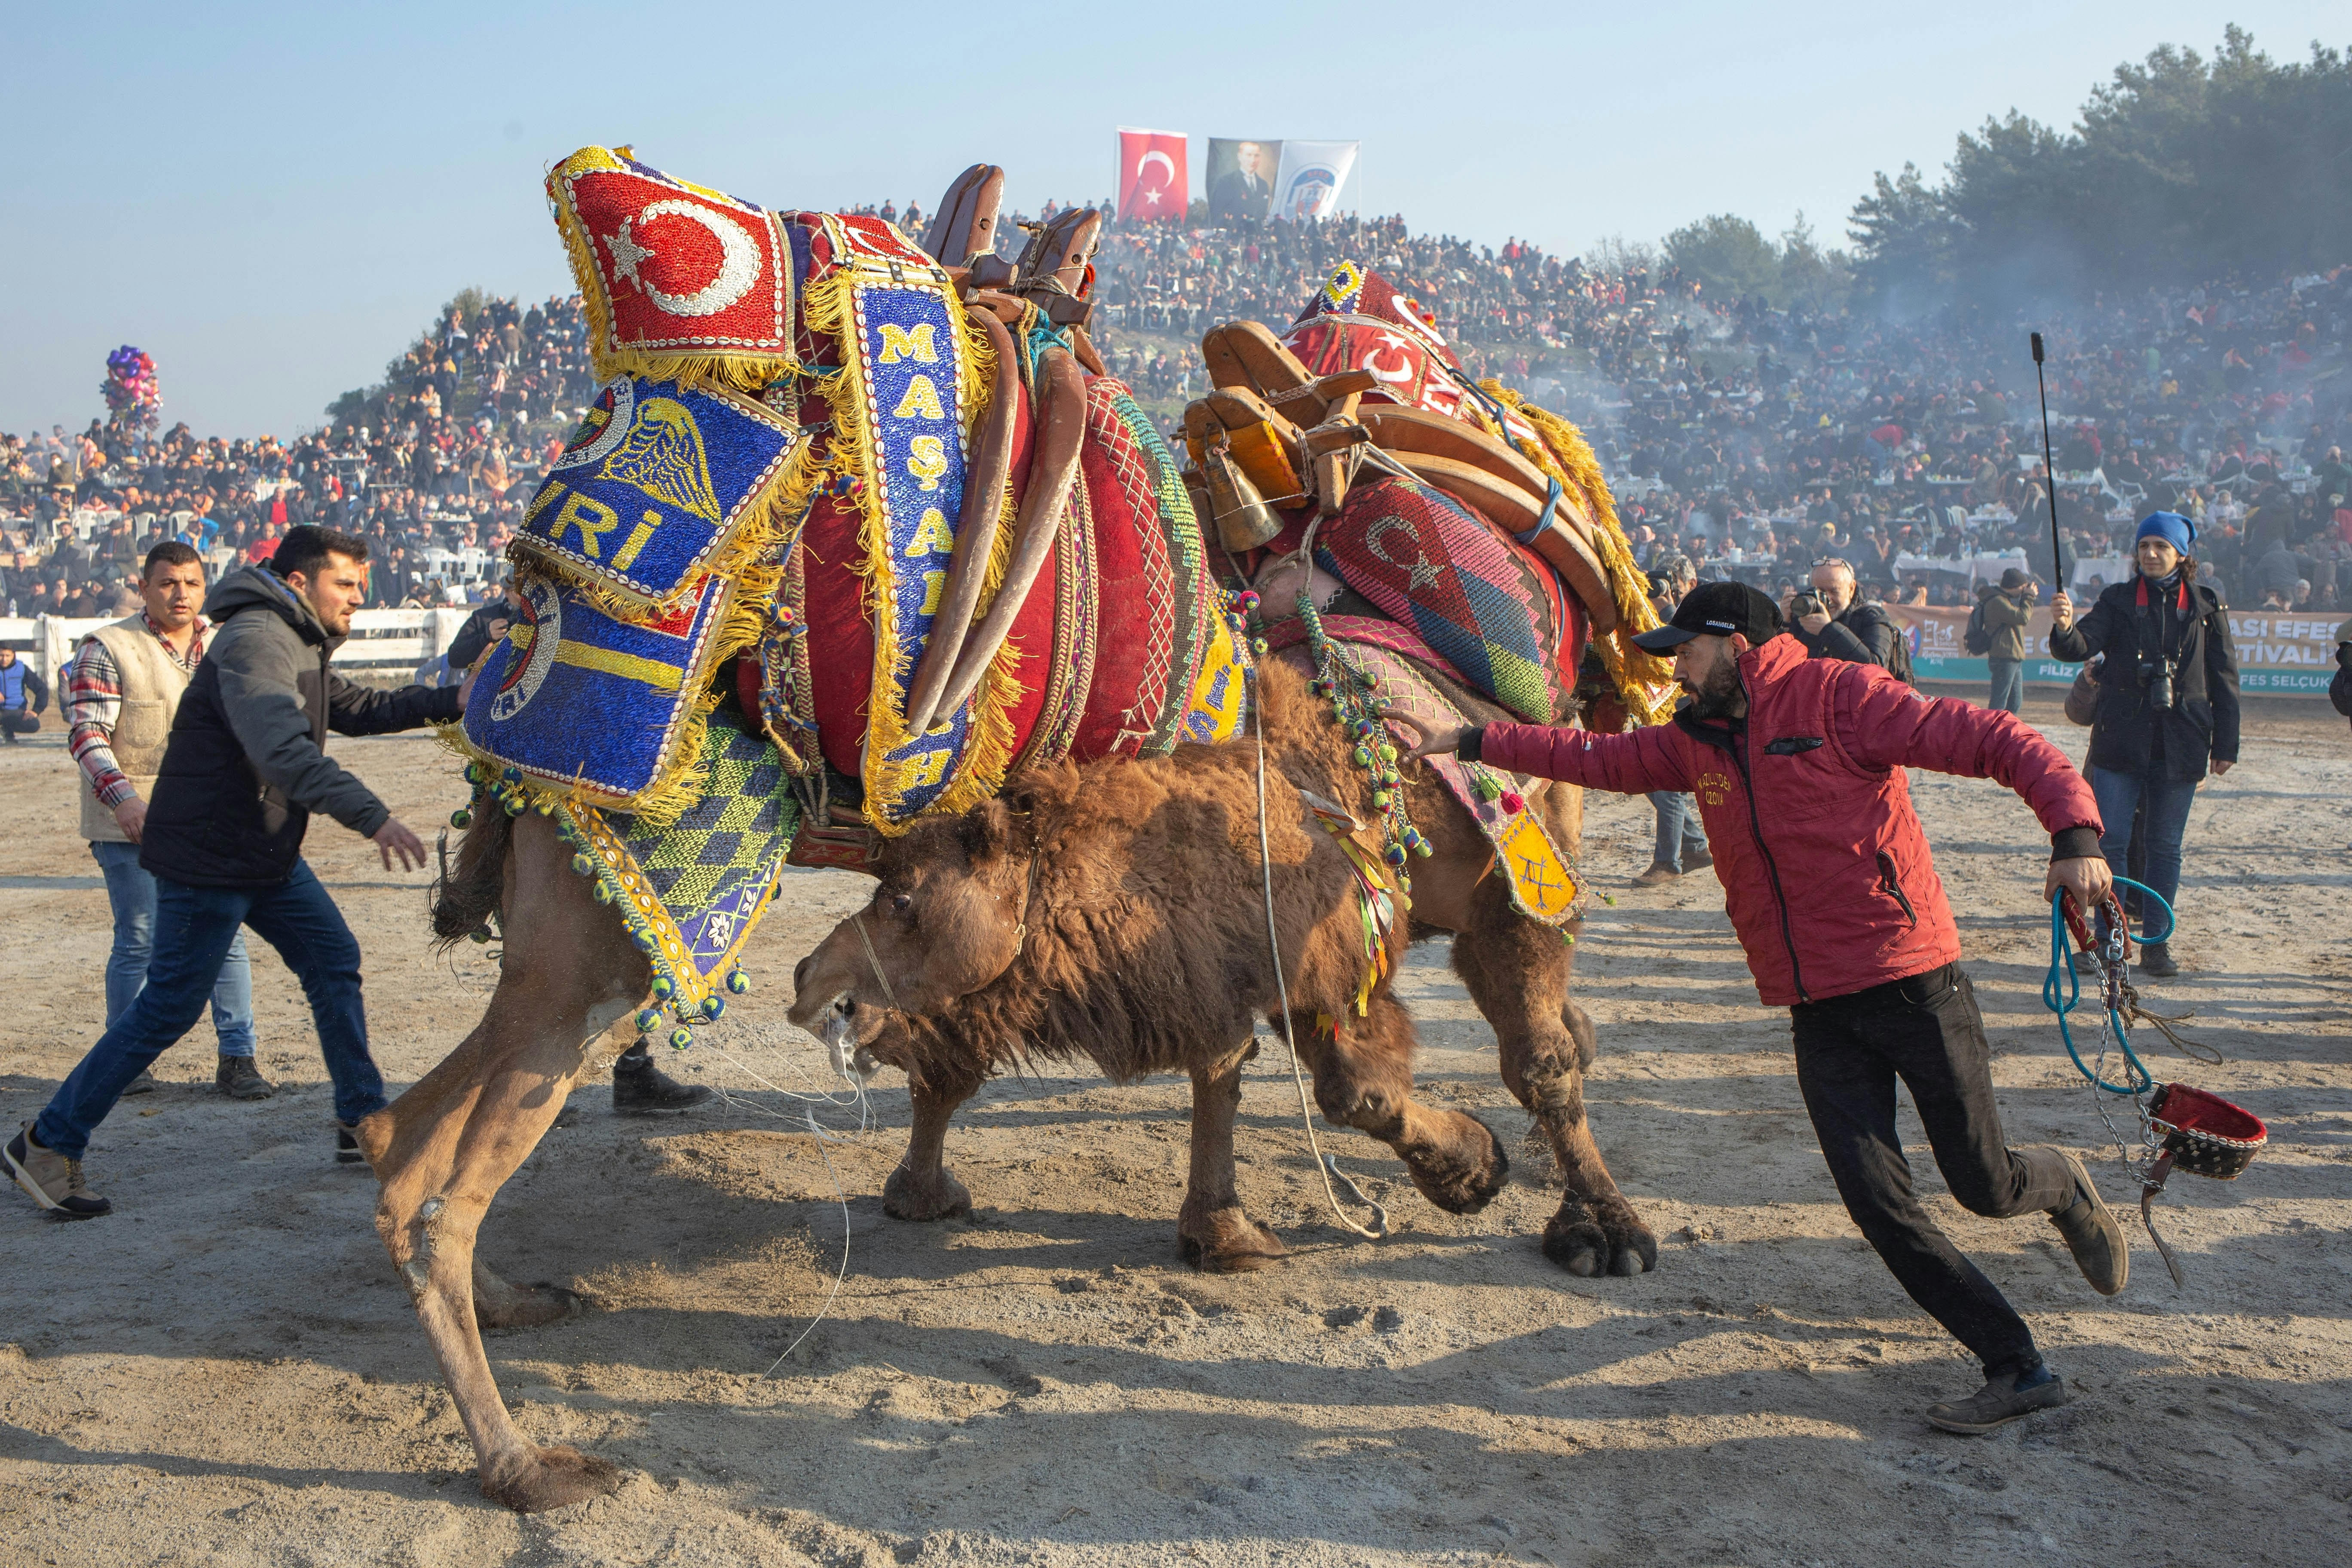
[2049, 469]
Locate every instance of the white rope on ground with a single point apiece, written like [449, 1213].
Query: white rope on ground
[821, 1137]
[1325, 1165]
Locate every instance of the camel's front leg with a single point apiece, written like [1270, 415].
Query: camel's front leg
[1216, 1234]
[1517, 971]
[442, 1150]
[922, 1187]
[1363, 1079]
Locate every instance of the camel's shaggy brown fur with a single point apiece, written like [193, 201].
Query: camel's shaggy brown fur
[467, 893]
[1145, 949]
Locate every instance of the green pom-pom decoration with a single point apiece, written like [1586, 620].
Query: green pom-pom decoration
[1393, 854]
[461, 818]
[738, 982]
[1386, 752]
[713, 1006]
[1424, 848]
[662, 987]
[1363, 756]
[601, 893]
[1487, 788]
[648, 1020]
[473, 773]
[582, 865]
[1380, 799]
[679, 1039]
[478, 936]
[1259, 645]
[513, 804]
[545, 809]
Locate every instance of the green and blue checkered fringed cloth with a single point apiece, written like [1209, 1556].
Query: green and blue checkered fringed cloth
[692, 891]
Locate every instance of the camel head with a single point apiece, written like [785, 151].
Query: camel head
[945, 920]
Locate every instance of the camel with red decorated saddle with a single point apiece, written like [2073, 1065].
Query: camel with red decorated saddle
[856, 533]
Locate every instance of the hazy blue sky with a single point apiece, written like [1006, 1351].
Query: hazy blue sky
[272, 199]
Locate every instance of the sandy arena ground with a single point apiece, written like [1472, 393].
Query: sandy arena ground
[226, 1370]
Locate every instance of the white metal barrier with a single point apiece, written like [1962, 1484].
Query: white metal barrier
[381, 640]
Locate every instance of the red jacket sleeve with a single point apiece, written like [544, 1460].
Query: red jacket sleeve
[1635, 763]
[1882, 723]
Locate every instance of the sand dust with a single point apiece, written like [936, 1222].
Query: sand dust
[225, 1370]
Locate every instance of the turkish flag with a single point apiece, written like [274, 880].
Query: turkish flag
[683, 270]
[1152, 179]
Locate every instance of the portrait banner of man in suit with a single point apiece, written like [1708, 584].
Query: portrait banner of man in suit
[1240, 179]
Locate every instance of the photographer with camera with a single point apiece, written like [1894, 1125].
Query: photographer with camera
[2168, 703]
[1812, 623]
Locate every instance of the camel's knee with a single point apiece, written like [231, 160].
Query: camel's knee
[430, 1242]
[1545, 1078]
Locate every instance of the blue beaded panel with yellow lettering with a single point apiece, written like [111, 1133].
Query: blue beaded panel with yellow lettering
[576, 700]
[657, 481]
[908, 355]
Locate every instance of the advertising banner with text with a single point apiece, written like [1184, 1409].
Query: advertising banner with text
[2289, 654]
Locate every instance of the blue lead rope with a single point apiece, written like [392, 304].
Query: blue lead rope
[2062, 989]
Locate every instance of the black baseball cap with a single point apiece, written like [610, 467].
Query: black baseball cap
[1720, 609]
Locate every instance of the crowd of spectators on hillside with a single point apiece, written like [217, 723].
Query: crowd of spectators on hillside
[431, 466]
[1749, 439]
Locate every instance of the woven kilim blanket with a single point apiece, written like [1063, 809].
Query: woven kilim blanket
[692, 891]
[1429, 564]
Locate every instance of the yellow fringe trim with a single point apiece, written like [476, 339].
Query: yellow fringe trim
[988, 753]
[1644, 682]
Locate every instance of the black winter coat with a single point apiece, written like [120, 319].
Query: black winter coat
[247, 763]
[2129, 735]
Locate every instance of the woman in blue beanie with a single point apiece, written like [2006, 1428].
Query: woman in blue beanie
[2168, 703]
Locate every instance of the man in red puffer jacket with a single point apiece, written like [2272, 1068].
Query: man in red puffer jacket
[1798, 766]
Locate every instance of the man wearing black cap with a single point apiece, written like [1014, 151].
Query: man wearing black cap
[2004, 612]
[1798, 766]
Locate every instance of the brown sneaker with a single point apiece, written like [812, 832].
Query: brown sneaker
[2092, 1233]
[54, 1181]
[239, 1079]
[1658, 874]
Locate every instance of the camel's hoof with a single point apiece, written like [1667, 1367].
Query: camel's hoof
[942, 1197]
[528, 1307]
[1229, 1242]
[554, 1477]
[1462, 1177]
[1586, 1246]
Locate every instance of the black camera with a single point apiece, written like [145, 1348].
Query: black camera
[2156, 675]
[1804, 605]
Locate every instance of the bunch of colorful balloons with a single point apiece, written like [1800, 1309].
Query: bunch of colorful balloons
[132, 396]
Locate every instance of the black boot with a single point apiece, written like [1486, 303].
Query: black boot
[640, 1088]
[237, 1078]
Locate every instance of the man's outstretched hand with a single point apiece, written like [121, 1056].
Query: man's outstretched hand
[393, 838]
[2087, 881]
[1430, 743]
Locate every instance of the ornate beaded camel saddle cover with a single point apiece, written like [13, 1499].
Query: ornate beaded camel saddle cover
[812, 474]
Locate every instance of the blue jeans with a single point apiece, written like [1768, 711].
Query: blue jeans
[2119, 795]
[2008, 685]
[1680, 833]
[193, 928]
[132, 891]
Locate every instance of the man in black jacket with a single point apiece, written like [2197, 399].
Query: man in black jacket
[2339, 691]
[1834, 585]
[246, 767]
[2168, 710]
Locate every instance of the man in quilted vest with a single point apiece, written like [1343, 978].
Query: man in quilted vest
[1798, 766]
[121, 699]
